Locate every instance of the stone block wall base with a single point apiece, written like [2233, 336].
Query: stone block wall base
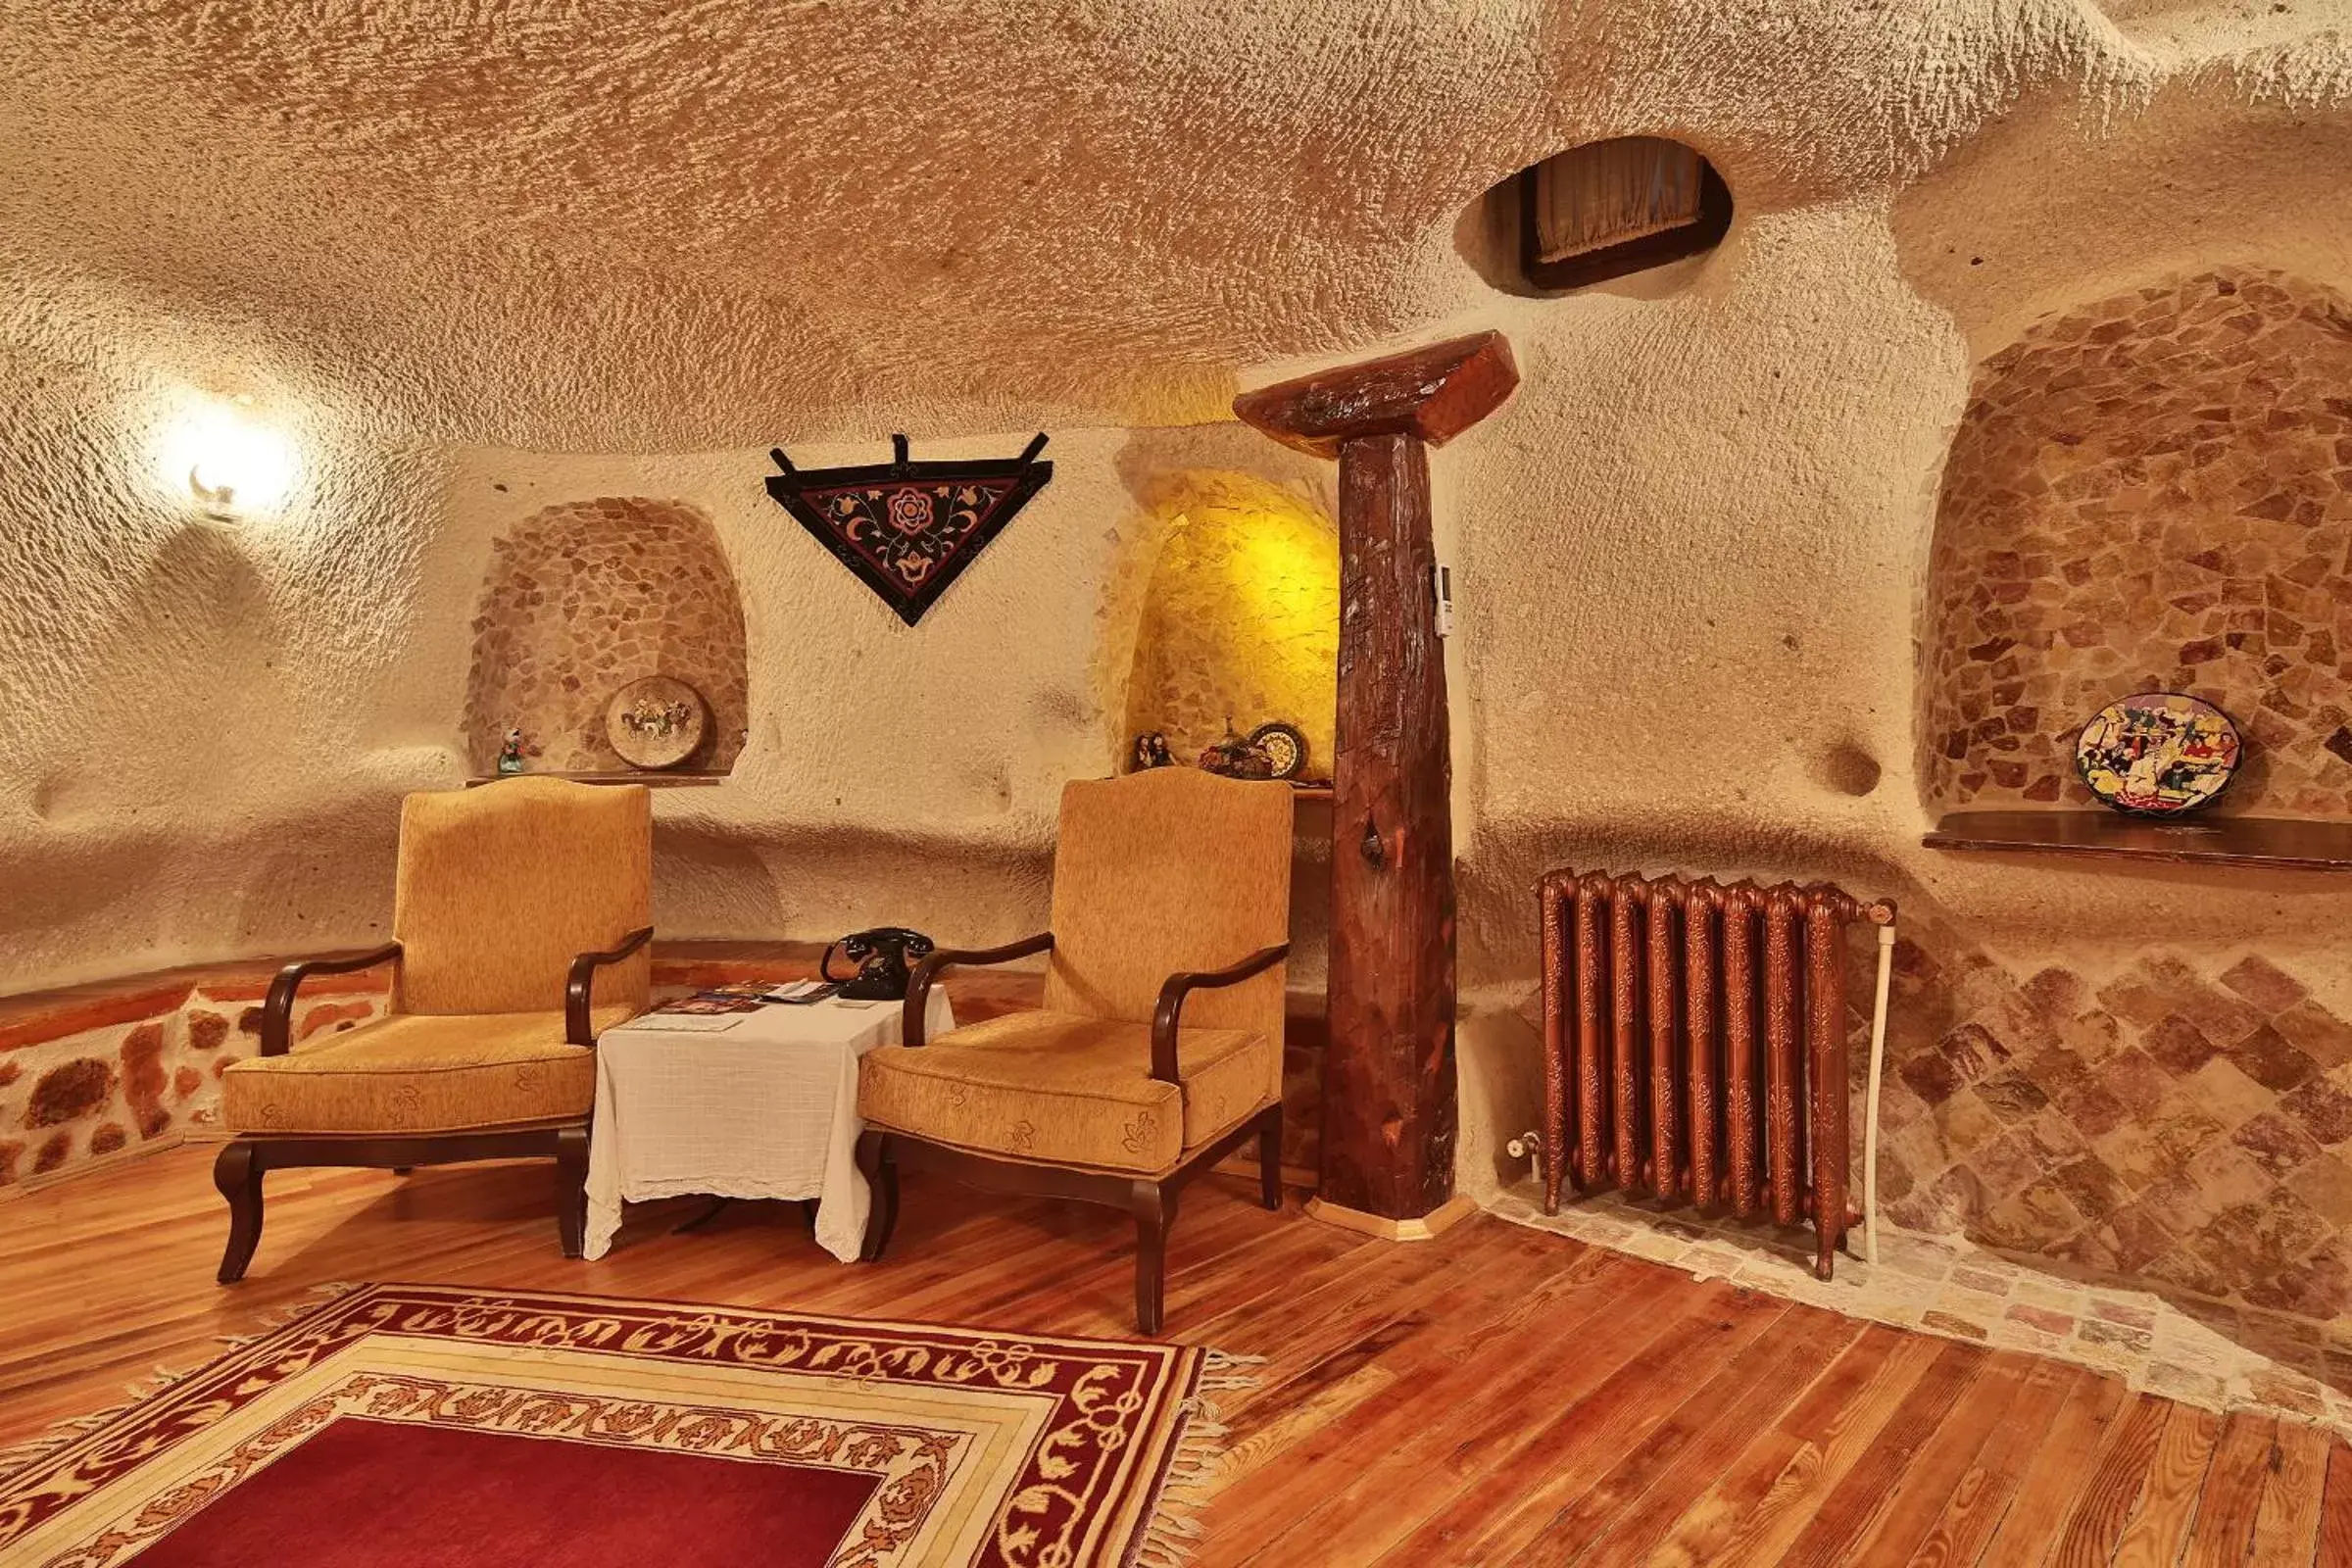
[1424, 1228]
[97, 1162]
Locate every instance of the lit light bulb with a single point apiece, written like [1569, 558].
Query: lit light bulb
[226, 461]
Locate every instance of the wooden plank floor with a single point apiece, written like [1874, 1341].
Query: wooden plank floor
[1500, 1396]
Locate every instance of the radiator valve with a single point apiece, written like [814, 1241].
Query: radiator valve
[1528, 1145]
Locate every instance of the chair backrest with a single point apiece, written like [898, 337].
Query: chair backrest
[501, 887]
[1167, 869]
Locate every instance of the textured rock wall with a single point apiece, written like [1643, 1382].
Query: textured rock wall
[896, 776]
[2150, 491]
[1691, 548]
[584, 598]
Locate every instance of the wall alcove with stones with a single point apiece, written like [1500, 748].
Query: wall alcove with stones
[2149, 492]
[1222, 609]
[583, 597]
[1239, 623]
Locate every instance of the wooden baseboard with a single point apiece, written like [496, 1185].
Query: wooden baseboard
[1425, 1228]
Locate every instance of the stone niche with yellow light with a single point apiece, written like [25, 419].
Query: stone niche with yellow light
[1227, 610]
[1240, 621]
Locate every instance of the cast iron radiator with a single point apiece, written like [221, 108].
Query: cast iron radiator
[1694, 1045]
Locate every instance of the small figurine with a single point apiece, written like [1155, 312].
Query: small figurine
[1236, 758]
[1152, 751]
[510, 755]
[659, 721]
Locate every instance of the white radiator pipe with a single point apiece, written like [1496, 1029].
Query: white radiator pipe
[1870, 1111]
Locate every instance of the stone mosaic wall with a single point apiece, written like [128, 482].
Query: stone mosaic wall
[95, 1076]
[2186, 1124]
[2151, 492]
[584, 598]
[1240, 620]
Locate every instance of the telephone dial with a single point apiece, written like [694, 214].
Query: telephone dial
[882, 956]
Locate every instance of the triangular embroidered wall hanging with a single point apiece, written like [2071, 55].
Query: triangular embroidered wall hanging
[908, 529]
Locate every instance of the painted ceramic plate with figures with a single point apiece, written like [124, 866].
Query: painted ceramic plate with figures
[2158, 754]
[656, 722]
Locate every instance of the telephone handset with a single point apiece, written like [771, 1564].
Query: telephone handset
[882, 956]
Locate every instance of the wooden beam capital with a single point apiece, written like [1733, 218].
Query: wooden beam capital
[1435, 393]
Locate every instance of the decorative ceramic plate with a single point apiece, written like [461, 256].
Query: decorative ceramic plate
[656, 722]
[2159, 754]
[1284, 746]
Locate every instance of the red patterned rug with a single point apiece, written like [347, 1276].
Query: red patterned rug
[420, 1424]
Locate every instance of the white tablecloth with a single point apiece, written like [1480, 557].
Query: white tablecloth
[768, 1108]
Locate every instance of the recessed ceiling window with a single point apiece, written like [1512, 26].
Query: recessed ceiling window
[1614, 206]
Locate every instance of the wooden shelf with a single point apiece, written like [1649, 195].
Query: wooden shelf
[681, 779]
[1299, 792]
[2249, 841]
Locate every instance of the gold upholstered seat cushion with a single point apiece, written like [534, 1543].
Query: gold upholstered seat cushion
[1062, 1088]
[420, 1074]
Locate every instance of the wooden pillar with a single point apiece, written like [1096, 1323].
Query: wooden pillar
[1389, 1076]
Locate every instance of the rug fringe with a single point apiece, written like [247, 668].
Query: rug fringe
[23, 1456]
[1172, 1532]
[285, 1312]
[1220, 1370]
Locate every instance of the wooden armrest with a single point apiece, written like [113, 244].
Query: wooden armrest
[918, 985]
[579, 989]
[1171, 1003]
[277, 1009]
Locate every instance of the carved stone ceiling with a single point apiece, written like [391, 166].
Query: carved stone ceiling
[612, 227]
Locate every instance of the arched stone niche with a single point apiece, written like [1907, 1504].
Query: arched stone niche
[1240, 619]
[582, 598]
[2152, 491]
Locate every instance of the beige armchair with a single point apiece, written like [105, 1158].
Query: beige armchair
[521, 918]
[1159, 1049]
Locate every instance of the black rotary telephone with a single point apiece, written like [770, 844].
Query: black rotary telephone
[881, 955]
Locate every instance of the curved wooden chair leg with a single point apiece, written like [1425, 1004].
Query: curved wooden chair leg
[1269, 1157]
[1154, 1212]
[881, 1170]
[240, 1182]
[572, 1190]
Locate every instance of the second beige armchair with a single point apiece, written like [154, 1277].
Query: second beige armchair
[1159, 1049]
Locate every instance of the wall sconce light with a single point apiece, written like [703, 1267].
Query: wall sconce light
[226, 461]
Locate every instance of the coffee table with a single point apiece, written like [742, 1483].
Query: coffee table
[764, 1107]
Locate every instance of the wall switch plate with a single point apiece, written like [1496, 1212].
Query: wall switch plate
[1443, 575]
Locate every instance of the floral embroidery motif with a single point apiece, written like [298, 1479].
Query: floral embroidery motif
[906, 529]
[910, 510]
[1141, 1132]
